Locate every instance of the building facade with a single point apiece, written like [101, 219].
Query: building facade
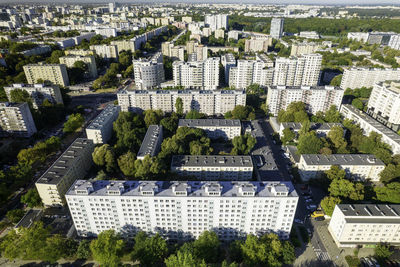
[276, 30]
[71, 165]
[151, 144]
[215, 22]
[100, 129]
[304, 48]
[208, 102]
[365, 224]
[257, 44]
[366, 77]
[108, 52]
[249, 72]
[54, 73]
[89, 60]
[316, 98]
[215, 128]
[149, 73]
[357, 166]
[16, 119]
[183, 210]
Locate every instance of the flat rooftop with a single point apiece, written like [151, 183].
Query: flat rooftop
[393, 86]
[342, 159]
[211, 161]
[313, 126]
[61, 166]
[185, 91]
[193, 188]
[208, 123]
[284, 87]
[149, 144]
[370, 213]
[105, 115]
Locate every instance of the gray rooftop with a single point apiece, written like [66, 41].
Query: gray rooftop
[229, 58]
[60, 167]
[209, 123]
[149, 144]
[185, 91]
[284, 87]
[103, 117]
[313, 126]
[342, 159]
[370, 210]
[185, 188]
[378, 126]
[211, 161]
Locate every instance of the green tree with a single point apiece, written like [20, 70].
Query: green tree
[126, 163]
[179, 106]
[357, 103]
[305, 127]
[336, 136]
[15, 216]
[19, 96]
[152, 117]
[184, 259]
[382, 252]
[150, 251]
[336, 80]
[74, 122]
[194, 114]
[332, 115]
[390, 173]
[130, 130]
[83, 251]
[108, 248]
[206, 247]
[32, 198]
[170, 124]
[328, 204]
[243, 144]
[335, 172]
[243, 113]
[288, 136]
[288, 254]
[254, 252]
[309, 143]
[104, 156]
[346, 189]
[389, 193]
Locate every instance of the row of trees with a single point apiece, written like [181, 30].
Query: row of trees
[297, 112]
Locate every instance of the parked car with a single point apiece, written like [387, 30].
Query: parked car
[320, 218]
[308, 197]
[298, 221]
[308, 200]
[311, 207]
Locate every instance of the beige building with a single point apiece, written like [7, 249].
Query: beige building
[215, 128]
[16, 119]
[367, 77]
[365, 224]
[299, 49]
[89, 60]
[106, 51]
[54, 73]
[207, 32]
[220, 33]
[187, 19]
[257, 44]
[175, 52]
[71, 165]
[124, 45]
[357, 166]
[79, 52]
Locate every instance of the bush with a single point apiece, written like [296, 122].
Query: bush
[353, 261]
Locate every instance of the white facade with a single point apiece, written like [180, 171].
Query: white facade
[106, 51]
[304, 48]
[257, 44]
[357, 166]
[38, 92]
[369, 125]
[365, 77]
[296, 71]
[208, 102]
[394, 42]
[149, 73]
[316, 98]
[217, 21]
[197, 74]
[55, 73]
[16, 119]
[309, 34]
[248, 72]
[276, 30]
[183, 210]
[365, 224]
[100, 129]
[215, 128]
[89, 60]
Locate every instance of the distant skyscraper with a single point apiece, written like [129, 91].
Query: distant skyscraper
[276, 28]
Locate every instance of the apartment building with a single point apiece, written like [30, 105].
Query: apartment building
[357, 166]
[219, 33]
[183, 210]
[309, 35]
[79, 52]
[228, 61]
[108, 52]
[71, 165]
[216, 22]
[256, 44]
[151, 144]
[210, 102]
[394, 42]
[124, 45]
[304, 48]
[365, 224]
[248, 72]
[296, 71]
[213, 167]
[368, 124]
[367, 77]
[276, 30]
[215, 128]
[316, 98]
[175, 52]
[37, 92]
[197, 74]
[16, 119]
[100, 129]
[384, 104]
[321, 129]
[89, 60]
[149, 73]
[54, 73]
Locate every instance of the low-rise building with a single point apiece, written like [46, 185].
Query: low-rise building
[151, 144]
[215, 128]
[71, 165]
[321, 129]
[183, 210]
[213, 167]
[303, 48]
[365, 224]
[100, 129]
[16, 119]
[357, 166]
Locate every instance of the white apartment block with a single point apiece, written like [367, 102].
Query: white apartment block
[175, 52]
[71, 165]
[149, 73]
[369, 125]
[257, 44]
[79, 52]
[228, 61]
[210, 102]
[316, 98]
[365, 224]
[183, 210]
[219, 33]
[213, 167]
[233, 35]
[89, 60]
[367, 77]
[394, 42]
[214, 128]
[123, 45]
[216, 22]
[309, 35]
[151, 144]
[384, 104]
[358, 36]
[296, 71]
[100, 129]
[357, 166]
[276, 30]
[37, 92]
[54, 73]
[304, 48]
[197, 74]
[248, 72]
[108, 52]
[16, 119]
